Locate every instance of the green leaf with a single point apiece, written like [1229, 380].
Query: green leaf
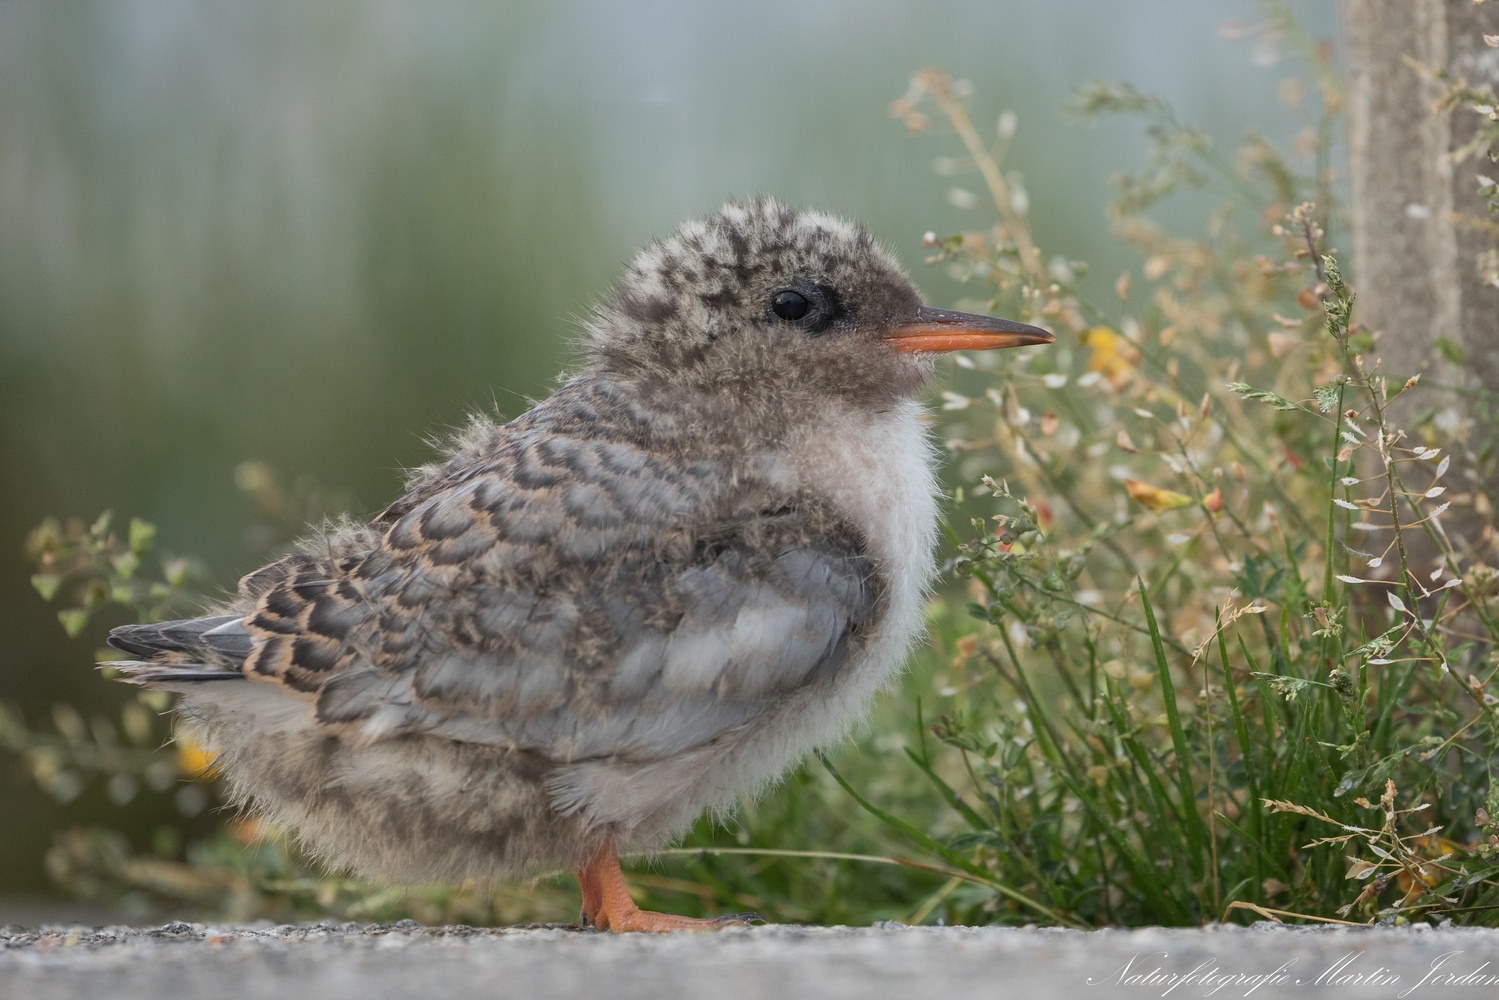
[1288, 687]
[1327, 397]
[1274, 399]
[142, 536]
[1381, 644]
[125, 564]
[73, 621]
[46, 584]
[176, 571]
[1099, 97]
[1449, 350]
[954, 732]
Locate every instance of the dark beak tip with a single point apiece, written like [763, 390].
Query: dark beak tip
[1032, 335]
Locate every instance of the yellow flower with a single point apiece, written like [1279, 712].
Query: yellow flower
[1112, 356]
[247, 829]
[1154, 498]
[194, 760]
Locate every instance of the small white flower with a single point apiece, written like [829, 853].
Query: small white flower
[962, 198]
[1021, 203]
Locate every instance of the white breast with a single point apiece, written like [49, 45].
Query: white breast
[878, 468]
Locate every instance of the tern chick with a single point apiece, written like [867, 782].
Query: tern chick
[655, 591]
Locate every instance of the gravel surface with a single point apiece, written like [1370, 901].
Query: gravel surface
[329, 961]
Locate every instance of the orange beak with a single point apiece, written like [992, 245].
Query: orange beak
[937, 331]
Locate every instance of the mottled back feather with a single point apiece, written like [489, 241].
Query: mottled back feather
[597, 585]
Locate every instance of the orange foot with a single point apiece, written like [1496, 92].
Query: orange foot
[607, 904]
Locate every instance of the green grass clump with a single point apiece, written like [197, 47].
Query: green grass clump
[1230, 648]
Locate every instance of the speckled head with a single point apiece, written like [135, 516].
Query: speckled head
[760, 297]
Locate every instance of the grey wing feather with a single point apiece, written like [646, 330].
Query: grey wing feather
[572, 583]
[191, 649]
[740, 631]
[221, 633]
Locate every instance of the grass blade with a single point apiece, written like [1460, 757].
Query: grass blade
[1195, 835]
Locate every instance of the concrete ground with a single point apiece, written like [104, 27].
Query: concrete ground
[330, 961]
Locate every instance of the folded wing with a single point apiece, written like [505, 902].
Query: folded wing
[564, 595]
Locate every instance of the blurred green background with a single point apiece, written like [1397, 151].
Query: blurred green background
[314, 234]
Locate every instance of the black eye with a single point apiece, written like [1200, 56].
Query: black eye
[811, 306]
[789, 305]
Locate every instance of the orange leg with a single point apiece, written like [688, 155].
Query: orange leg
[607, 904]
[593, 894]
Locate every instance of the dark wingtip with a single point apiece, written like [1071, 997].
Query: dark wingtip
[219, 634]
[128, 639]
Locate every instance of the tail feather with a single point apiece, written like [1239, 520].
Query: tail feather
[192, 649]
[183, 636]
[145, 673]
